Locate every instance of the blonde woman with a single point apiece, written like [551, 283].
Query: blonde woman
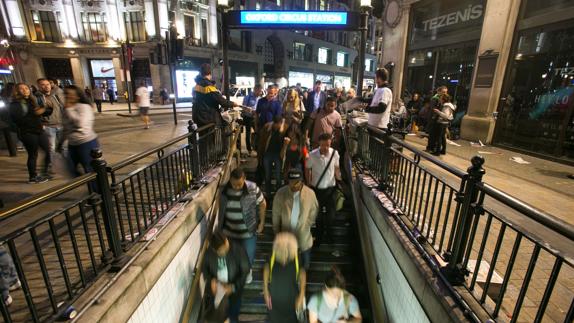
[284, 281]
[293, 107]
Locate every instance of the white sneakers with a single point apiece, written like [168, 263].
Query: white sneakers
[249, 278]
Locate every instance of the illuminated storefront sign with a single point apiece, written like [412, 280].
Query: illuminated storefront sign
[342, 82]
[305, 79]
[102, 68]
[293, 17]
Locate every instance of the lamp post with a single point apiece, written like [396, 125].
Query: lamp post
[222, 5]
[126, 63]
[365, 7]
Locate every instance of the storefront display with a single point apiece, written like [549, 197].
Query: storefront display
[342, 81]
[59, 69]
[536, 113]
[103, 74]
[305, 79]
[443, 48]
[326, 79]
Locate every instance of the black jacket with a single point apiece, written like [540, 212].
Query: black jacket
[206, 102]
[26, 121]
[237, 267]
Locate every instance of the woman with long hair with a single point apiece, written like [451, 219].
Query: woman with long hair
[293, 107]
[333, 303]
[284, 281]
[27, 114]
[79, 129]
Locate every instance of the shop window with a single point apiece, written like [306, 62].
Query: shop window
[324, 56]
[537, 109]
[46, 25]
[539, 7]
[369, 65]
[135, 26]
[95, 28]
[342, 59]
[298, 51]
[323, 5]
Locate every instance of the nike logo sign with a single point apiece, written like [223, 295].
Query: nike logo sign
[105, 70]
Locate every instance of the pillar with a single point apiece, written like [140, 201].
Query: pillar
[80, 79]
[395, 47]
[31, 69]
[159, 79]
[120, 80]
[500, 18]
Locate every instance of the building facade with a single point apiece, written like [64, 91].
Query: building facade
[90, 42]
[505, 62]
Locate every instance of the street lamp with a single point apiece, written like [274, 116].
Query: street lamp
[365, 7]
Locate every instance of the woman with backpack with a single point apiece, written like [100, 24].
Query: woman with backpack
[333, 303]
[284, 281]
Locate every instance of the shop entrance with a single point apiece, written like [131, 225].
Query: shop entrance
[103, 75]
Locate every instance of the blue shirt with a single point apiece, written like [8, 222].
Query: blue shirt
[316, 101]
[250, 100]
[267, 110]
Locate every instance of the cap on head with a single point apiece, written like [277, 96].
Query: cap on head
[295, 174]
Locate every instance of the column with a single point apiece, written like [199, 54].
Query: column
[31, 69]
[78, 71]
[159, 79]
[117, 62]
[500, 18]
[395, 47]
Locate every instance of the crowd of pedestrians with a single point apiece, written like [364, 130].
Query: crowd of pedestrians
[298, 142]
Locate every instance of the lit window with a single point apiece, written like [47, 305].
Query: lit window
[95, 28]
[298, 51]
[46, 25]
[342, 59]
[135, 25]
[324, 55]
[368, 65]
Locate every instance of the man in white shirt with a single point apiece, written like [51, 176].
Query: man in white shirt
[379, 111]
[143, 101]
[322, 172]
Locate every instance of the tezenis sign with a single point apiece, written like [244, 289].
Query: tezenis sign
[472, 12]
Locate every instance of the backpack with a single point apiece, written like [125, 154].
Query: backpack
[272, 262]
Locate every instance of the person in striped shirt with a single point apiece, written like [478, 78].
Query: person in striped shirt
[242, 211]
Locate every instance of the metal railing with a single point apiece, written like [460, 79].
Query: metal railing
[83, 228]
[515, 261]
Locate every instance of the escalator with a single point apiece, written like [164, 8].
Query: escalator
[344, 252]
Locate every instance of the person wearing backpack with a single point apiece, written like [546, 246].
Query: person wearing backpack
[333, 303]
[284, 281]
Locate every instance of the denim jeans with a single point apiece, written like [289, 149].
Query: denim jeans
[249, 245]
[81, 154]
[272, 164]
[54, 137]
[8, 275]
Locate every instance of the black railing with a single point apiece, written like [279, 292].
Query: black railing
[515, 261]
[62, 239]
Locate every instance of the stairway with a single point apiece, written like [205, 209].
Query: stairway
[253, 307]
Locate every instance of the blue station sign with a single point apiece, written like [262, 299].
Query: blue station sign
[275, 19]
[271, 18]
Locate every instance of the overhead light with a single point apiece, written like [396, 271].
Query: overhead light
[430, 76]
[544, 75]
[5, 43]
[365, 3]
[69, 43]
[223, 3]
[11, 67]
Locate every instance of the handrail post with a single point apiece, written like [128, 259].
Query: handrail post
[193, 141]
[110, 219]
[454, 271]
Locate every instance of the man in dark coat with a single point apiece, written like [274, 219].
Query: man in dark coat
[207, 99]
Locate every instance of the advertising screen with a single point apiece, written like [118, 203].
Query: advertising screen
[185, 83]
[306, 79]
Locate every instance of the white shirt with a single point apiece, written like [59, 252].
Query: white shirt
[317, 163]
[381, 120]
[143, 96]
[295, 210]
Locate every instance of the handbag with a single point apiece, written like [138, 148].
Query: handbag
[339, 198]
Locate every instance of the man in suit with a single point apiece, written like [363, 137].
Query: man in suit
[295, 211]
[315, 99]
